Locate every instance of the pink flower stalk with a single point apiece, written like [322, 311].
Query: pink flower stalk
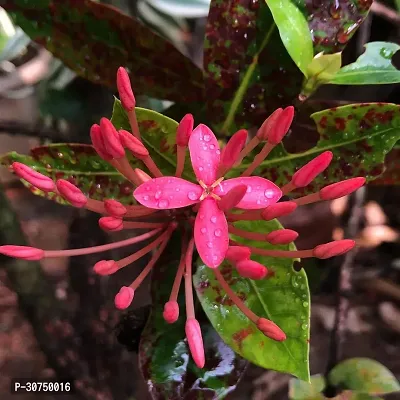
[203, 210]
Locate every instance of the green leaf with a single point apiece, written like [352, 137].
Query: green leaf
[300, 390]
[94, 39]
[158, 133]
[79, 164]
[322, 68]
[282, 297]
[364, 375]
[359, 135]
[294, 32]
[164, 356]
[391, 175]
[371, 68]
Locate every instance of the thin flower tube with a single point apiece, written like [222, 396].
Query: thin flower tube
[203, 211]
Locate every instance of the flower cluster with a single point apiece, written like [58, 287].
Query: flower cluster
[203, 211]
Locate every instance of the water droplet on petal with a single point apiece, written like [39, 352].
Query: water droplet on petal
[213, 219]
[192, 196]
[249, 189]
[269, 194]
[258, 201]
[201, 169]
[218, 152]
[207, 138]
[203, 230]
[163, 203]
[146, 198]
[212, 147]
[218, 232]
[177, 189]
[209, 245]
[202, 216]
[148, 188]
[158, 194]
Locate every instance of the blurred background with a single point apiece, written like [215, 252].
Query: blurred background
[42, 101]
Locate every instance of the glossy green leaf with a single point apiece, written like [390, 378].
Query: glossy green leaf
[371, 68]
[364, 375]
[294, 32]
[158, 133]
[359, 136]
[300, 390]
[282, 297]
[79, 164]
[164, 356]
[94, 39]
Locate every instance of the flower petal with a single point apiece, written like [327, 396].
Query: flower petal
[205, 154]
[167, 192]
[211, 233]
[260, 192]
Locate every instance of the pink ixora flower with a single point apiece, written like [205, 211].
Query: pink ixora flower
[204, 211]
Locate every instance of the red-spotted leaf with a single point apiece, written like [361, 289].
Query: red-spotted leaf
[359, 136]
[391, 175]
[282, 297]
[79, 164]
[248, 70]
[364, 375]
[94, 39]
[300, 390]
[164, 357]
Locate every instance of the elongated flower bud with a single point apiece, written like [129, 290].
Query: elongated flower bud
[133, 144]
[105, 267]
[185, 129]
[230, 153]
[270, 329]
[125, 89]
[335, 248]
[232, 198]
[278, 210]
[195, 341]
[115, 208]
[171, 312]
[124, 297]
[340, 189]
[111, 139]
[306, 174]
[237, 253]
[142, 175]
[251, 269]
[281, 127]
[36, 179]
[71, 193]
[282, 236]
[111, 224]
[22, 252]
[97, 140]
[269, 124]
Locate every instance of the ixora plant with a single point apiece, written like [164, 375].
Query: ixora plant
[210, 219]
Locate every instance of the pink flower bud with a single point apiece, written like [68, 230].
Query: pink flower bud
[278, 210]
[98, 144]
[125, 89]
[237, 253]
[340, 189]
[105, 267]
[115, 208]
[335, 248]
[133, 144]
[22, 252]
[270, 329]
[111, 224]
[232, 198]
[71, 193]
[251, 269]
[111, 139]
[281, 128]
[306, 174]
[124, 297]
[185, 129]
[269, 124]
[282, 236]
[36, 179]
[230, 153]
[195, 341]
[142, 175]
[171, 312]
